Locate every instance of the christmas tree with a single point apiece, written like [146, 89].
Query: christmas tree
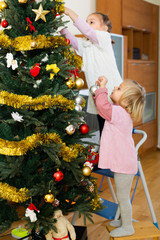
[42, 155]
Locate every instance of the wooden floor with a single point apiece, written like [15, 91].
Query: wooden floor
[141, 212]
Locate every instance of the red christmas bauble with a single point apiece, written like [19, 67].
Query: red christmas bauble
[84, 128]
[4, 23]
[67, 41]
[58, 176]
[35, 70]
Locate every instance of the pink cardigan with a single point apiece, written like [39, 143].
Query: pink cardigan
[117, 150]
[85, 29]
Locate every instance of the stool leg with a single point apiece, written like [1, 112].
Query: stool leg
[101, 184]
[147, 193]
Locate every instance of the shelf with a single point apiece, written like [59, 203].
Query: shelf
[140, 28]
[136, 28]
[139, 43]
[141, 61]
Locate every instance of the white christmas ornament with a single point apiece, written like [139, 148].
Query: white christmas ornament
[78, 108]
[36, 85]
[79, 100]
[17, 117]
[45, 59]
[11, 62]
[82, 119]
[30, 212]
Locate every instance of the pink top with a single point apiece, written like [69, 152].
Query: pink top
[85, 29]
[117, 150]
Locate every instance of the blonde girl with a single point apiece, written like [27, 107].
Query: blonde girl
[117, 150]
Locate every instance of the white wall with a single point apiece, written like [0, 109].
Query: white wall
[82, 7]
[157, 2]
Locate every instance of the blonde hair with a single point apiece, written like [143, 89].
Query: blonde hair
[133, 99]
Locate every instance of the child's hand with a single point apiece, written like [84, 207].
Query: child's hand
[102, 81]
[71, 14]
[67, 11]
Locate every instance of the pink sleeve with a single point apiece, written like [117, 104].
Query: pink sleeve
[73, 39]
[86, 30]
[104, 107]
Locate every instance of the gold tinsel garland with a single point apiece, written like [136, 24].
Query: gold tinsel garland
[39, 103]
[12, 194]
[73, 59]
[24, 43]
[60, 9]
[95, 203]
[18, 148]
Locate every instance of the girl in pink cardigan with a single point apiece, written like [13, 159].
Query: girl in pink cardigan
[117, 150]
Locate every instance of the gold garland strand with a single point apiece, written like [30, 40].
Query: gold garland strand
[39, 103]
[95, 203]
[18, 148]
[24, 43]
[59, 0]
[12, 194]
[73, 59]
[60, 9]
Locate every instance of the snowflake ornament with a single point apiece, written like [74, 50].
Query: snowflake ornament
[17, 117]
[11, 62]
[91, 188]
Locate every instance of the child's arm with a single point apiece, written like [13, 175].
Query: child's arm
[82, 26]
[73, 39]
[104, 107]
[68, 35]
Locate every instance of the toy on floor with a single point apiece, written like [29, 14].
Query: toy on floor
[20, 233]
[63, 227]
